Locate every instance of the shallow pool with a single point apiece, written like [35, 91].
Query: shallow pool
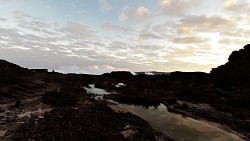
[174, 125]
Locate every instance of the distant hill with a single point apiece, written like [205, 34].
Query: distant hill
[237, 67]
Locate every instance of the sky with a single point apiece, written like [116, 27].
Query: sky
[98, 36]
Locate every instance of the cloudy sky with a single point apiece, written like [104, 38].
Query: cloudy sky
[96, 36]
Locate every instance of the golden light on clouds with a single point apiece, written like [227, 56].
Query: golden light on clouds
[161, 35]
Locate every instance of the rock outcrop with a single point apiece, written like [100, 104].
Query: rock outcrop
[7, 67]
[237, 67]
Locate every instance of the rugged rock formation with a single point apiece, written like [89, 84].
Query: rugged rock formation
[237, 67]
[7, 66]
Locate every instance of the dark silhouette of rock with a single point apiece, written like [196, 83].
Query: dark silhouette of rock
[121, 73]
[41, 70]
[188, 74]
[237, 67]
[7, 67]
[11, 73]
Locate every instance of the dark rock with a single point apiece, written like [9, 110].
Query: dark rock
[10, 119]
[17, 136]
[188, 74]
[172, 101]
[94, 123]
[17, 104]
[237, 67]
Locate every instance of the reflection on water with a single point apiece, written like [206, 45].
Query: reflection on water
[96, 93]
[179, 127]
[176, 126]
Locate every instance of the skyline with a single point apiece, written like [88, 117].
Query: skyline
[109, 35]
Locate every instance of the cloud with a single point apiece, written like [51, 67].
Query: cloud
[22, 16]
[174, 37]
[118, 45]
[72, 47]
[233, 42]
[195, 56]
[189, 40]
[118, 28]
[92, 69]
[104, 5]
[236, 5]
[202, 23]
[177, 7]
[130, 14]
[146, 33]
[225, 41]
[78, 31]
[3, 19]
[178, 52]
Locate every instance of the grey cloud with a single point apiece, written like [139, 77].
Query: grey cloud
[189, 40]
[117, 28]
[177, 7]
[164, 29]
[3, 19]
[19, 15]
[130, 14]
[202, 23]
[225, 41]
[78, 31]
[235, 33]
[204, 20]
[71, 44]
[146, 33]
[43, 50]
[236, 6]
[118, 45]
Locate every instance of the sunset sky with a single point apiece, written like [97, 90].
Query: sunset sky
[97, 36]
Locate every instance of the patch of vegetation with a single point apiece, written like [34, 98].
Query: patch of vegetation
[94, 123]
[60, 97]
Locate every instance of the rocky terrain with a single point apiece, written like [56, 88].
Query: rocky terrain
[54, 106]
[225, 91]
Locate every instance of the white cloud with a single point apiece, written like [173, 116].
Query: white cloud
[130, 14]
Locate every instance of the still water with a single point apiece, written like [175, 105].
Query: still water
[174, 125]
[178, 127]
